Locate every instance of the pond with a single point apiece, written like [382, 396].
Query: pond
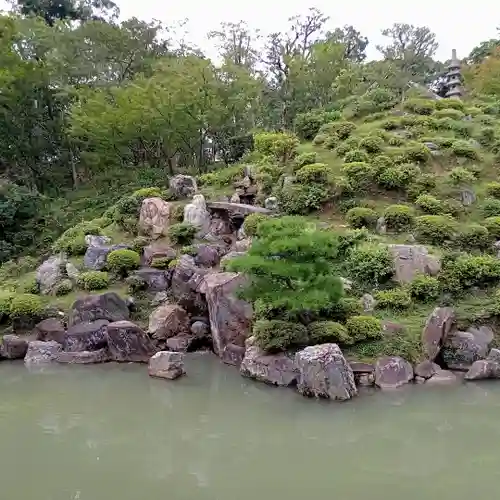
[110, 432]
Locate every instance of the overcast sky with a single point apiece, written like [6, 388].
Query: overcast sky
[462, 27]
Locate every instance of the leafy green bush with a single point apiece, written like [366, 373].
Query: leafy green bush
[372, 144]
[493, 189]
[139, 243]
[450, 104]
[465, 149]
[460, 175]
[5, 302]
[308, 124]
[122, 261]
[490, 207]
[344, 129]
[364, 328]
[316, 172]
[26, 305]
[252, 222]
[93, 280]
[359, 174]
[423, 184]
[399, 218]
[424, 288]
[72, 241]
[396, 141]
[454, 114]
[63, 288]
[277, 335]
[222, 177]
[486, 136]
[350, 144]
[29, 286]
[280, 145]
[320, 139]
[324, 332]
[331, 142]
[420, 106]
[369, 264]
[135, 284]
[163, 262]
[398, 176]
[397, 298]
[304, 159]
[301, 199]
[473, 236]
[415, 153]
[356, 155]
[182, 233]
[466, 271]
[435, 229]
[359, 217]
[492, 224]
[430, 204]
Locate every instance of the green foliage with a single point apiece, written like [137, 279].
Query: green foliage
[399, 218]
[139, 243]
[450, 104]
[473, 236]
[5, 302]
[291, 266]
[324, 332]
[222, 177]
[435, 229]
[93, 280]
[182, 233]
[430, 204]
[304, 159]
[425, 288]
[135, 284]
[493, 226]
[163, 262]
[493, 189]
[307, 125]
[420, 106]
[414, 153]
[369, 264]
[252, 222]
[398, 177]
[454, 114]
[26, 305]
[396, 298]
[423, 184]
[301, 199]
[15, 268]
[359, 174]
[29, 286]
[64, 287]
[372, 144]
[486, 136]
[460, 175]
[490, 207]
[364, 328]
[359, 217]
[279, 145]
[277, 335]
[466, 271]
[122, 261]
[314, 173]
[72, 241]
[320, 139]
[465, 149]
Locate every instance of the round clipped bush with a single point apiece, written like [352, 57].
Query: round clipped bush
[139, 243]
[415, 153]
[301, 199]
[26, 305]
[251, 223]
[93, 280]
[467, 271]
[435, 229]
[423, 184]
[369, 264]
[492, 224]
[473, 236]
[344, 129]
[359, 217]
[162, 262]
[72, 241]
[122, 261]
[490, 207]
[304, 159]
[276, 335]
[63, 288]
[359, 174]
[397, 298]
[356, 155]
[323, 332]
[450, 104]
[372, 144]
[316, 172]
[135, 284]
[331, 142]
[363, 328]
[398, 176]
[430, 204]
[350, 144]
[465, 149]
[308, 124]
[281, 146]
[420, 106]
[182, 233]
[399, 218]
[460, 175]
[493, 189]
[424, 288]
[454, 114]
[5, 302]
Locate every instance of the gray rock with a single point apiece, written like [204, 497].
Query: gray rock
[392, 372]
[92, 240]
[242, 246]
[275, 369]
[72, 271]
[271, 203]
[208, 255]
[83, 357]
[95, 256]
[13, 347]
[438, 326]
[50, 329]
[86, 336]
[168, 365]
[235, 198]
[181, 343]
[128, 342]
[156, 280]
[158, 250]
[168, 320]
[325, 373]
[467, 197]
[159, 298]
[462, 349]
[432, 146]
[42, 352]
[442, 377]
[426, 369]
[237, 208]
[381, 226]
[200, 329]
[410, 260]
[107, 305]
[50, 273]
[230, 256]
[196, 213]
[183, 186]
[483, 369]
[368, 302]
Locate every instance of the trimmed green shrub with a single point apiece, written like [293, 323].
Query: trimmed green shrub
[359, 217]
[372, 144]
[350, 144]
[93, 280]
[425, 288]
[486, 136]
[356, 155]
[18, 267]
[430, 204]
[251, 223]
[395, 141]
[177, 212]
[369, 264]
[331, 142]
[26, 305]
[122, 261]
[222, 176]
[182, 233]
[493, 189]
[150, 192]
[63, 288]
[139, 243]
[323, 332]
[344, 129]
[5, 302]
[420, 106]
[364, 328]
[308, 124]
[276, 335]
[72, 241]
[423, 184]
[465, 149]
[398, 176]
[473, 236]
[305, 159]
[493, 226]
[316, 172]
[359, 174]
[454, 114]
[460, 175]
[397, 298]
[320, 139]
[435, 229]
[415, 153]
[163, 262]
[450, 104]
[490, 207]
[135, 284]
[466, 271]
[301, 199]
[279, 145]
[399, 218]
[30, 286]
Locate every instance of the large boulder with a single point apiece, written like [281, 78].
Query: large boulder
[156, 280]
[168, 320]
[276, 369]
[410, 260]
[462, 349]
[438, 326]
[483, 369]
[13, 347]
[426, 369]
[209, 255]
[154, 218]
[392, 372]
[158, 250]
[183, 186]
[230, 317]
[166, 364]
[86, 336]
[50, 273]
[83, 357]
[325, 373]
[96, 255]
[107, 305]
[50, 329]
[128, 342]
[196, 213]
[42, 352]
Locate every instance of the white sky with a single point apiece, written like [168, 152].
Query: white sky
[462, 27]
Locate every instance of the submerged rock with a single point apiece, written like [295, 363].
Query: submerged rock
[438, 326]
[42, 352]
[392, 372]
[128, 342]
[442, 377]
[426, 369]
[107, 305]
[13, 347]
[83, 357]
[165, 364]
[325, 373]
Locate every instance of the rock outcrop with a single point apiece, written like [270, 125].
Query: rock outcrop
[167, 321]
[86, 336]
[128, 342]
[50, 329]
[158, 250]
[462, 349]
[183, 186]
[109, 306]
[168, 365]
[154, 218]
[410, 260]
[50, 273]
[96, 255]
[13, 347]
[392, 372]
[196, 213]
[483, 369]
[325, 373]
[438, 326]
[42, 352]
[83, 357]
[156, 280]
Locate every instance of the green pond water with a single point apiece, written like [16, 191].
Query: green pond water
[110, 432]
